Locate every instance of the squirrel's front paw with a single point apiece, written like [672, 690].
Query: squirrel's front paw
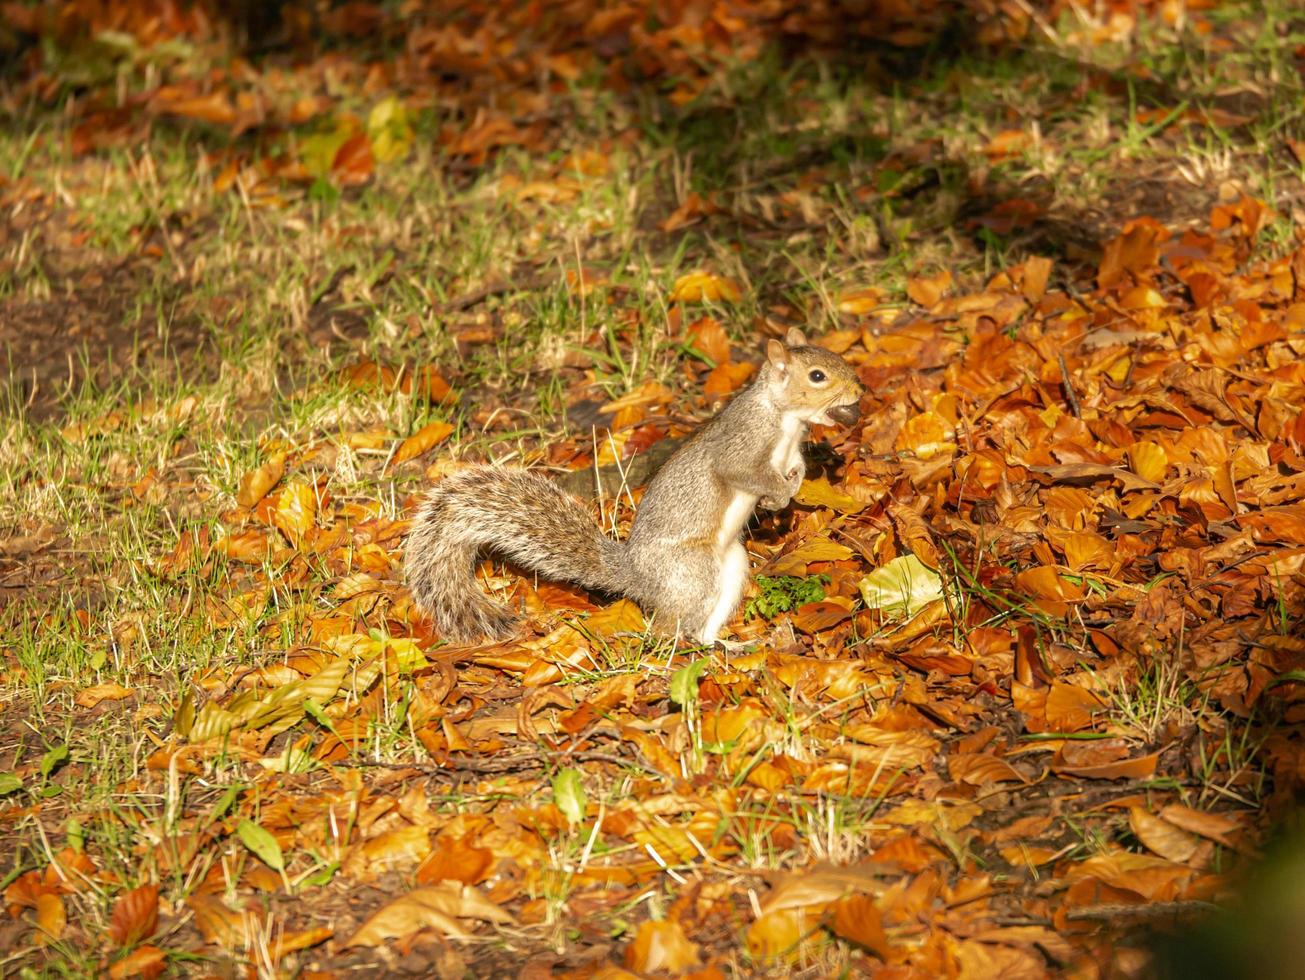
[772, 503]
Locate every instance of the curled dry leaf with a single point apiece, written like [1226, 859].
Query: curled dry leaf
[255, 484]
[89, 697]
[424, 439]
[147, 962]
[432, 907]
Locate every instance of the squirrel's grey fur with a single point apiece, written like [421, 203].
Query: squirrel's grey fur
[683, 562]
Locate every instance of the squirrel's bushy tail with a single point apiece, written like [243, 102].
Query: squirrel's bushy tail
[516, 514]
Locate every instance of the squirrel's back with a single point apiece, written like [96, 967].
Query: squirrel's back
[519, 515]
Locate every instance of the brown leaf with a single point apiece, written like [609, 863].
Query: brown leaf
[89, 697]
[437, 907]
[1162, 837]
[135, 915]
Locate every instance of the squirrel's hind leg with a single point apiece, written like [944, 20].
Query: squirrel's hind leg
[731, 579]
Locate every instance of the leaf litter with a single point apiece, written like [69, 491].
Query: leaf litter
[1047, 678]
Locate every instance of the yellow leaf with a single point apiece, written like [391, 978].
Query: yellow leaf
[296, 512]
[407, 654]
[704, 287]
[902, 587]
[1118, 371]
[389, 130]
[820, 493]
[1148, 460]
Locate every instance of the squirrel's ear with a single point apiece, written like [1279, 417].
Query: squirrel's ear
[795, 337]
[777, 353]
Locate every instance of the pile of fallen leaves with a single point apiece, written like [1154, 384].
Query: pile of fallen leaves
[1047, 592]
[323, 92]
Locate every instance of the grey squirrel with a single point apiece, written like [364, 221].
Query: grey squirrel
[683, 563]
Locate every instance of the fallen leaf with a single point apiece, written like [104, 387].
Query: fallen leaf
[438, 907]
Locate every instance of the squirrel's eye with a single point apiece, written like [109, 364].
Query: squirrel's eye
[817, 376]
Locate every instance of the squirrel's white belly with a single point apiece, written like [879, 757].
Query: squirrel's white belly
[787, 454]
[737, 512]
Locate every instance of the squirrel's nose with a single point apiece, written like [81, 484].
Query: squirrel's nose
[845, 414]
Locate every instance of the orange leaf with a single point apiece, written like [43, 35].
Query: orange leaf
[147, 962]
[857, 919]
[135, 915]
[214, 108]
[981, 769]
[708, 337]
[1142, 767]
[425, 438]
[859, 302]
[1070, 708]
[661, 947]
[295, 941]
[255, 484]
[51, 918]
[353, 161]
[456, 860]
[1007, 143]
[926, 291]
[725, 378]
[1036, 272]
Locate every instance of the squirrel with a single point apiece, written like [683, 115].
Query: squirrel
[683, 562]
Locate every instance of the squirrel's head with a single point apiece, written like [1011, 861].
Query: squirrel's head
[816, 382]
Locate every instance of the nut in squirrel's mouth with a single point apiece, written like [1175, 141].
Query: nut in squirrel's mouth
[844, 414]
